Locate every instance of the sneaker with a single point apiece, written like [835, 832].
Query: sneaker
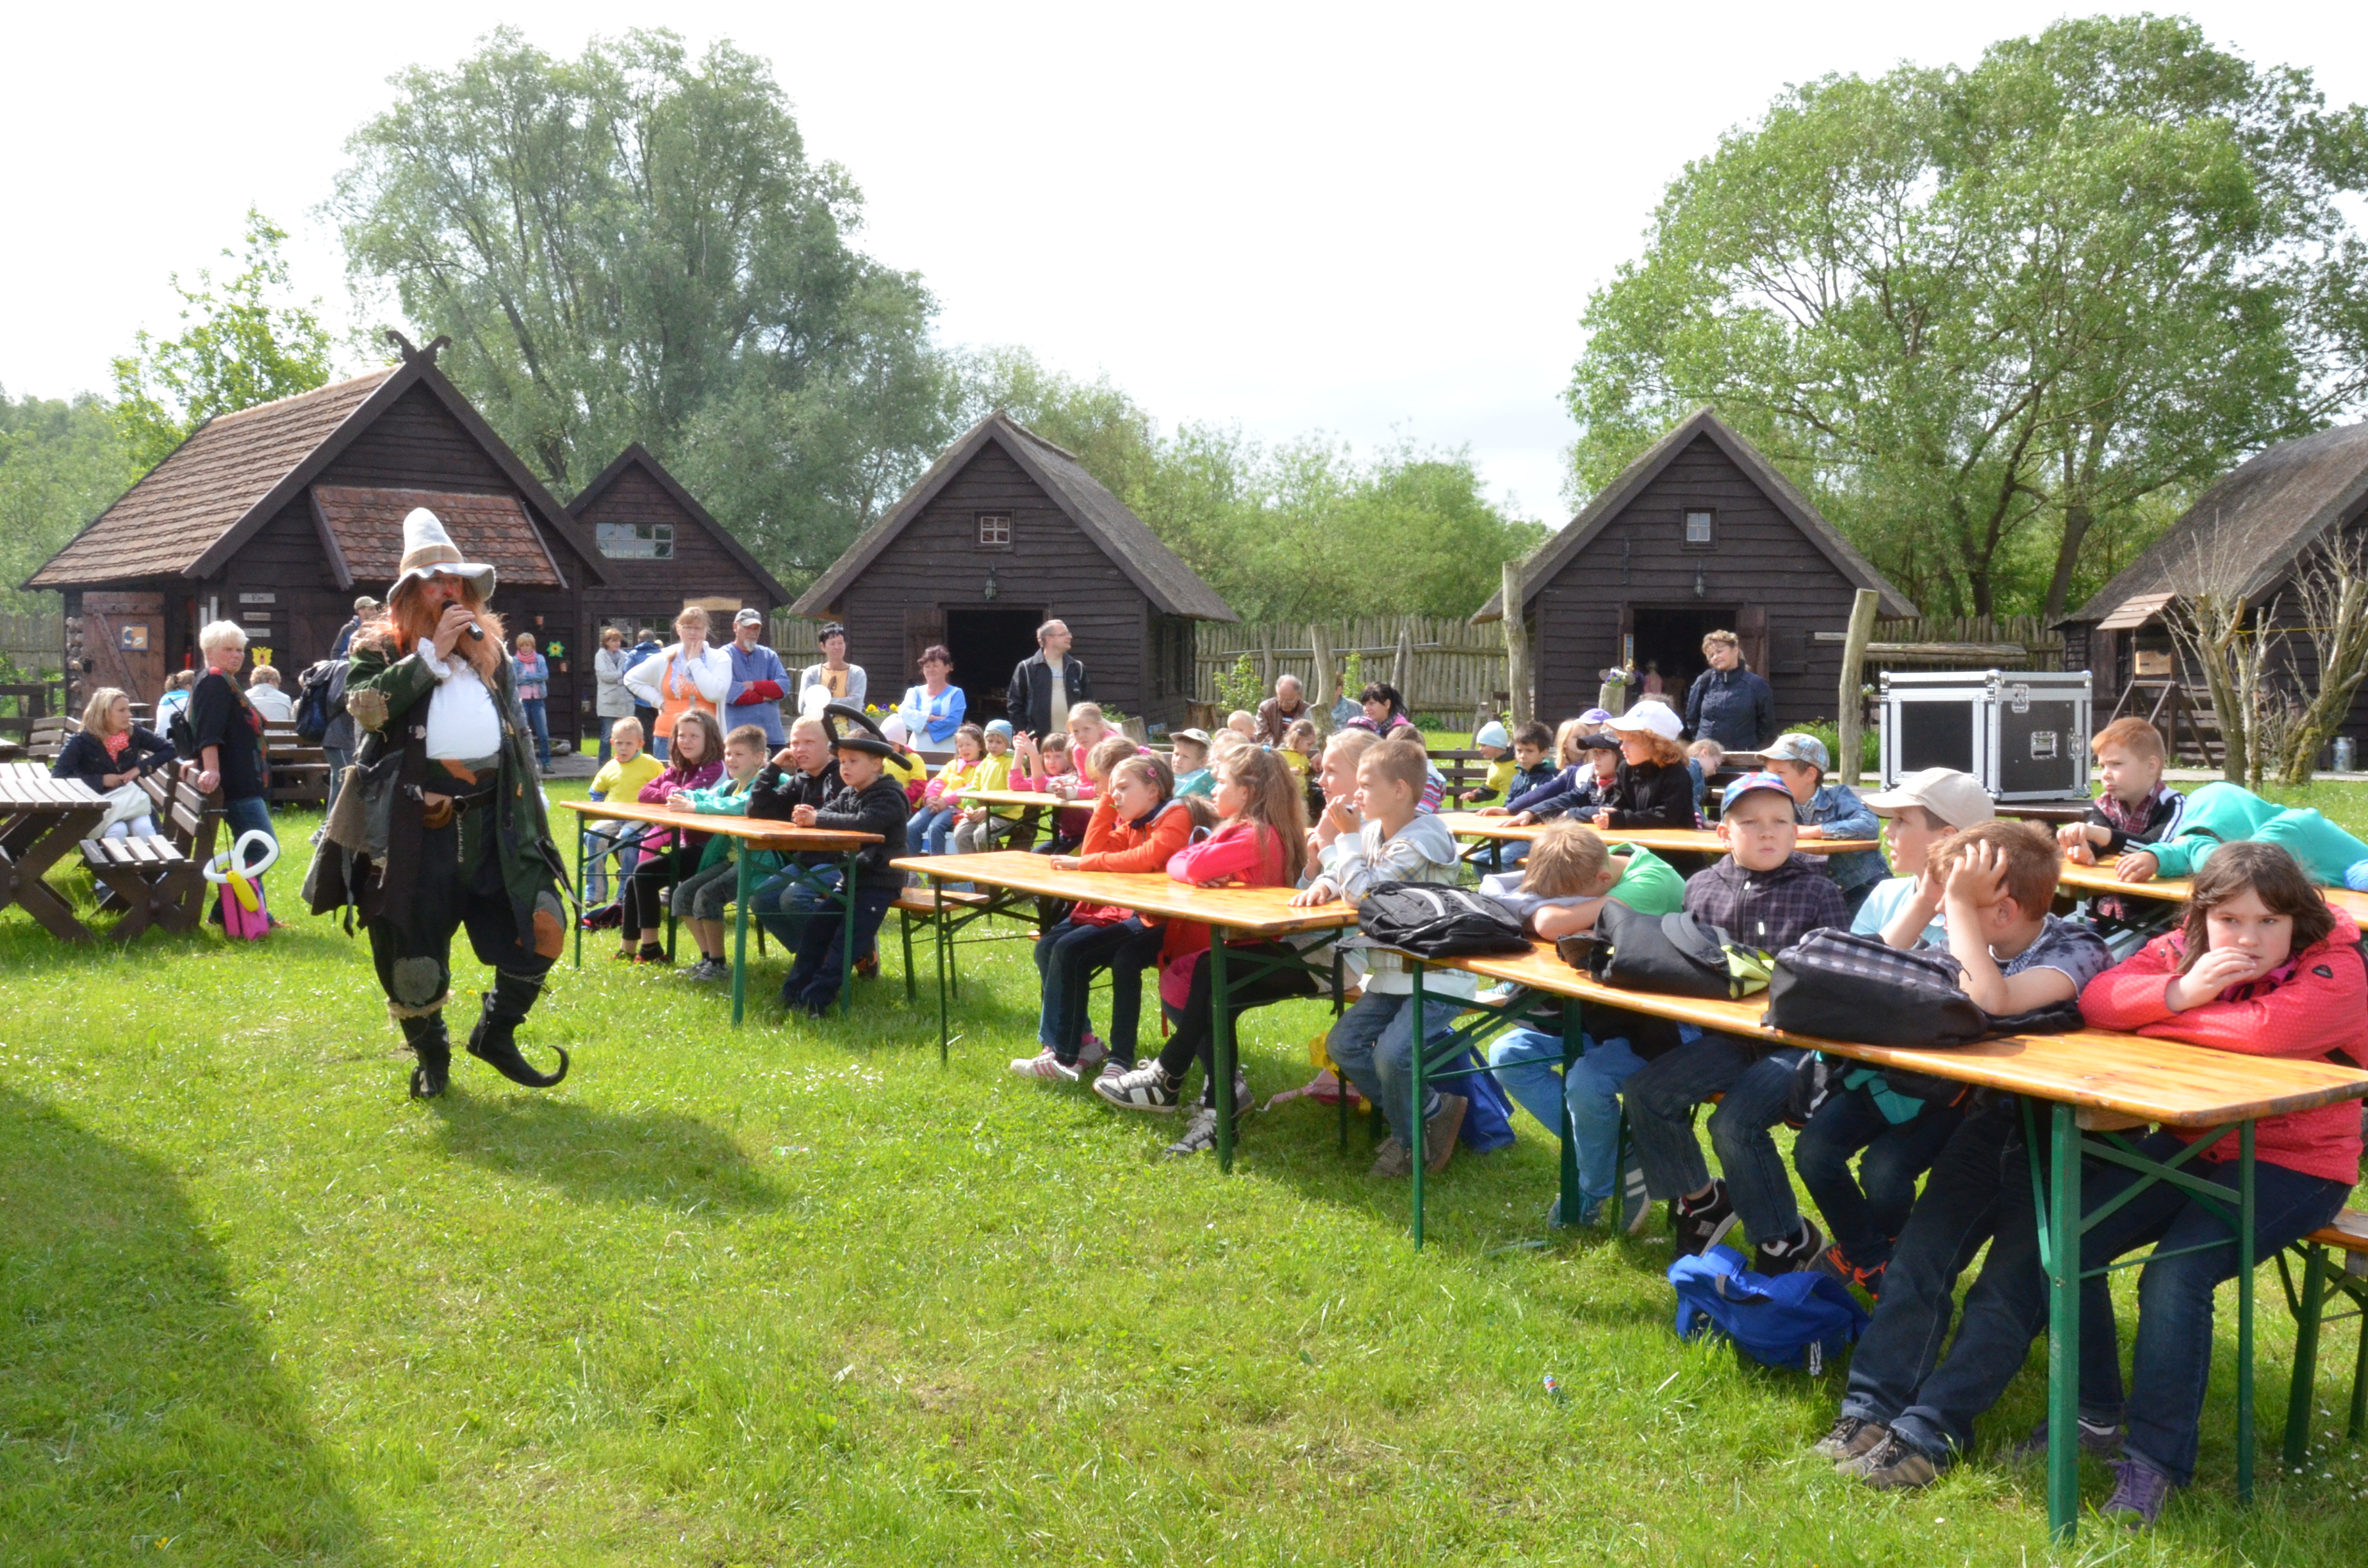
[1091, 1052]
[707, 970]
[1589, 1214]
[2139, 1492]
[1848, 1437]
[1146, 1088]
[1697, 1228]
[1636, 1201]
[1894, 1465]
[1835, 1264]
[1393, 1161]
[653, 955]
[1045, 1066]
[1200, 1135]
[868, 966]
[2098, 1439]
[1437, 1134]
[627, 955]
[1799, 1250]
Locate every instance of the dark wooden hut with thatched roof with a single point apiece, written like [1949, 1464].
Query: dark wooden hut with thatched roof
[1701, 532]
[1003, 531]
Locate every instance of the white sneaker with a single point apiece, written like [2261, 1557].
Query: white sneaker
[1045, 1066]
[1091, 1053]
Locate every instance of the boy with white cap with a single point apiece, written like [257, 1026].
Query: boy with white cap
[1653, 788]
[1495, 742]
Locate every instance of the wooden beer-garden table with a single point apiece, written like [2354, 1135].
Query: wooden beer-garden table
[752, 835]
[41, 818]
[1254, 913]
[2098, 880]
[1697, 841]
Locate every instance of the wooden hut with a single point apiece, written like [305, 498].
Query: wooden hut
[667, 552]
[2243, 538]
[279, 515]
[1701, 532]
[1005, 530]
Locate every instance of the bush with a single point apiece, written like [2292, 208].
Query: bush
[1239, 689]
[1870, 750]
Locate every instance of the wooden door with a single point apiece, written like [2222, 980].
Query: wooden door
[1752, 628]
[123, 639]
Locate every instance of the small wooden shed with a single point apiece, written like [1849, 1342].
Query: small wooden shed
[1004, 531]
[277, 517]
[1701, 532]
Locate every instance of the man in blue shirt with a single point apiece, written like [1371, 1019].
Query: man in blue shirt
[758, 680]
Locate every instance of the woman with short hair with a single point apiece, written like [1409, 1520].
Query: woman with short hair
[610, 700]
[228, 732]
[935, 707]
[684, 677]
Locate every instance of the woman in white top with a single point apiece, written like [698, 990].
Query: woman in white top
[610, 700]
[684, 675]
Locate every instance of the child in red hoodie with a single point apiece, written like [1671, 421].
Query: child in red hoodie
[1137, 825]
[1260, 842]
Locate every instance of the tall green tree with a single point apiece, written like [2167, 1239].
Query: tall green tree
[632, 245]
[2000, 320]
[241, 342]
[62, 463]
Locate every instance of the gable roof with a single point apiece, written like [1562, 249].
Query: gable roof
[191, 512]
[1613, 498]
[1172, 588]
[361, 529]
[638, 456]
[2259, 516]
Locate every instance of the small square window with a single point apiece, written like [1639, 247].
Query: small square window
[636, 542]
[1698, 526]
[995, 531]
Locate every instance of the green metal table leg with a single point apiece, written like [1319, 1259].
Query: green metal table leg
[937, 925]
[1567, 1206]
[1222, 1048]
[1339, 1079]
[674, 881]
[579, 893]
[2359, 1423]
[2064, 1325]
[846, 948]
[1414, 1122]
[2306, 1354]
[2245, 1313]
[741, 894]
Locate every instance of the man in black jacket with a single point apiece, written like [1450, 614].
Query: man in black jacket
[1047, 684]
[866, 801]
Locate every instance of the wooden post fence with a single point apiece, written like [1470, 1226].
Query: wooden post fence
[1517, 648]
[1849, 713]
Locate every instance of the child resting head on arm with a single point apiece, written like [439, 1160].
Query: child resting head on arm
[1560, 889]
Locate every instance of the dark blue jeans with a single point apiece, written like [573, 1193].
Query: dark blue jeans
[813, 980]
[1066, 956]
[539, 722]
[1756, 1084]
[1864, 1213]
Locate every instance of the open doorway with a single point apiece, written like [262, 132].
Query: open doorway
[986, 645]
[1668, 642]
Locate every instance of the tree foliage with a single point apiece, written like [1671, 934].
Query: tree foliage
[632, 245]
[1303, 530]
[2001, 320]
[62, 463]
[242, 345]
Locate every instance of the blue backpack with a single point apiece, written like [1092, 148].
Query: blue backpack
[1795, 1320]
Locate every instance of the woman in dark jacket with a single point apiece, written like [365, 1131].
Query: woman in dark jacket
[110, 751]
[1728, 703]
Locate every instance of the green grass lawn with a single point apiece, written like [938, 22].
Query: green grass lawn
[797, 1294]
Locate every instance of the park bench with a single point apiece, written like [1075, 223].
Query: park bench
[148, 880]
[2334, 1269]
[300, 773]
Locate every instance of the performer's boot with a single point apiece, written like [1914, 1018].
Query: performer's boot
[493, 1040]
[433, 1046]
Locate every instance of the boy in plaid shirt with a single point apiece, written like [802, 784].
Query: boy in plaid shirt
[1768, 896]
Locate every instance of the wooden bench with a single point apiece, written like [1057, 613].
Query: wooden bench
[48, 738]
[918, 905]
[149, 880]
[300, 773]
[2326, 1281]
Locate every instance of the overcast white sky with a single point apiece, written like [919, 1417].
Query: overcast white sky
[1367, 219]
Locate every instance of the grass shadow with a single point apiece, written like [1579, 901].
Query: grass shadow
[603, 1156]
[139, 1404]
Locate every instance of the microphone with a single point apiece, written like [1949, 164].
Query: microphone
[476, 632]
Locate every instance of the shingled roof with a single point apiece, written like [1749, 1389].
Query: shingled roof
[192, 511]
[1613, 498]
[361, 529]
[2255, 521]
[1172, 588]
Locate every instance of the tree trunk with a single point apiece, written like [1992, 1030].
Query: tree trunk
[1517, 648]
[2078, 520]
[1328, 675]
[1850, 710]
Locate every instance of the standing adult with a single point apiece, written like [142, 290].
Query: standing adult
[532, 672]
[646, 646]
[229, 735]
[758, 681]
[1285, 708]
[833, 679]
[935, 707]
[685, 675]
[1728, 702]
[364, 608]
[1047, 683]
[610, 700]
[1385, 714]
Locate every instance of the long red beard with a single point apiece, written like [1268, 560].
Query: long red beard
[408, 622]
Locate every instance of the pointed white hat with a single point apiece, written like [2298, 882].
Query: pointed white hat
[426, 549]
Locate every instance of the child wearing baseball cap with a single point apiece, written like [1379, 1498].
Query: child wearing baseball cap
[1652, 788]
[1828, 810]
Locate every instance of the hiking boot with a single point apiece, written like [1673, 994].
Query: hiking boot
[2139, 1492]
[1146, 1088]
[1393, 1161]
[1698, 1227]
[1798, 1250]
[1636, 1201]
[2098, 1439]
[1894, 1465]
[1200, 1135]
[1044, 1065]
[433, 1047]
[1439, 1132]
[1848, 1438]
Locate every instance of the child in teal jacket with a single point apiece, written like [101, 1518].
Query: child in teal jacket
[2230, 814]
[699, 897]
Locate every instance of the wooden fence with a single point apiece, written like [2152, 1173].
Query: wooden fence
[2044, 647]
[33, 641]
[1452, 667]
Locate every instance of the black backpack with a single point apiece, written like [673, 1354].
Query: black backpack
[313, 709]
[1438, 922]
[1674, 955]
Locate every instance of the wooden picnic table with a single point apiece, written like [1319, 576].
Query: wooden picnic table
[1257, 913]
[42, 817]
[2094, 1081]
[1700, 841]
[2100, 880]
[1037, 798]
[758, 833]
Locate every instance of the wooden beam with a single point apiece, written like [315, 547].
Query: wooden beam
[1328, 675]
[1847, 715]
[1516, 647]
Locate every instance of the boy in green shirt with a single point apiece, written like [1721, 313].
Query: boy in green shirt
[1559, 892]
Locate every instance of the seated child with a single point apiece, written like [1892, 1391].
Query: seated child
[1191, 752]
[1828, 810]
[1259, 843]
[1651, 788]
[1040, 765]
[1301, 741]
[1087, 728]
[1334, 790]
[978, 827]
[929, 826]
[1768, 896]
[1702, 759]
[1570, 874]
[903, 765]
[2220, 814]
[699, 897]
[1895, 1137]
[1243, 724]
[2135, 806]
[866, 801]
[1373, 1040]
[1495, 744]
[628, 768]
[696, 762]
[2260, 967]
[1137, 826]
